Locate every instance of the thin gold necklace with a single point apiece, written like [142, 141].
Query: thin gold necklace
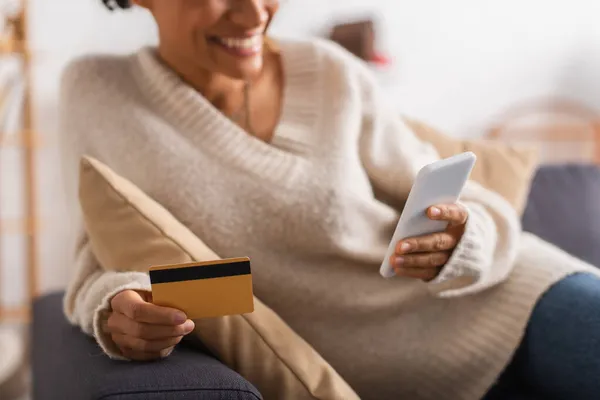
[244, 111]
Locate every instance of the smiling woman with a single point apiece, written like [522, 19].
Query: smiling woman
[308, 186]
[219, 48]
[215, 35]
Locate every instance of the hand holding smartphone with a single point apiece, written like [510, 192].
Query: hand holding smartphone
[438, 183]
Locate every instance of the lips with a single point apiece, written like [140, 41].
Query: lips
[243, 46]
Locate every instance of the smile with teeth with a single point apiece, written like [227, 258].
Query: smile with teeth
[242, 46]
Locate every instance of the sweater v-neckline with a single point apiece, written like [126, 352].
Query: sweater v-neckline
[207, 127]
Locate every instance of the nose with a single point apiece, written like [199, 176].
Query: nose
[250, 13]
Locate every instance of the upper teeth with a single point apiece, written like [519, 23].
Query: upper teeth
[245, 43]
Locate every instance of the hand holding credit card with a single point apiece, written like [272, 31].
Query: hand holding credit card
[205, 289]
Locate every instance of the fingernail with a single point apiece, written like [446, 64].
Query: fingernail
[189, 325]
[404, 247]
[399, 261]
[435, 212]
[180, 318]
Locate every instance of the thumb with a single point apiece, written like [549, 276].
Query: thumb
[124, 300]
[133, 305]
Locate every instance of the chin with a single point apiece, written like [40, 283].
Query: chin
[244, 72]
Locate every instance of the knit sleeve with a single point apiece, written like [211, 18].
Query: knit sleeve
[392, 156]
[89, 293]
[90, 288]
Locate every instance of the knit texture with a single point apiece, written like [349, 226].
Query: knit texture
[314, 209]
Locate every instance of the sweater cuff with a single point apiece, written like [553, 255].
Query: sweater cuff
[123, 281]
[472, 258]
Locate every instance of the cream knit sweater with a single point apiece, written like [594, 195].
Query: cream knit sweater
[314, 210]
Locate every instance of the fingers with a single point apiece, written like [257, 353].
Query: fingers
[424, 257]
[424, 266]
[131, 304]
[142, 342]
[139, 345]
[428, 260]
[453, 213]
[121, 324]
[144, 331]
[436, 242]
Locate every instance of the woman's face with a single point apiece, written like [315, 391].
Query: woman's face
[220, 36]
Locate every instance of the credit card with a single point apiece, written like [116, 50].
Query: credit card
[205, 289]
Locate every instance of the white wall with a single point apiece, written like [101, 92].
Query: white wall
[457, 63]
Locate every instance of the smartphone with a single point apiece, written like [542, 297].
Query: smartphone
[440, 182]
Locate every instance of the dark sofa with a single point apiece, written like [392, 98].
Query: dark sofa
[69, 365]
[562, 209]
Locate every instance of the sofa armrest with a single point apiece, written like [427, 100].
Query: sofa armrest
[67, 364]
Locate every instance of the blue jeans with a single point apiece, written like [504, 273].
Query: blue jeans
[559, 357]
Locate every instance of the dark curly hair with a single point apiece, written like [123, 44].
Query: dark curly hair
[112, 4]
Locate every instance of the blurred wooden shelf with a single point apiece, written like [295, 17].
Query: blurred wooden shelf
[31, 140]
[16, 226]
[13, 46]
[15, 314]
[15, 40]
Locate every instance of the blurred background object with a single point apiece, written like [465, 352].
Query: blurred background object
[563, 130]
[356, 37]
[18, 222]
[359, 38]
[18, 281]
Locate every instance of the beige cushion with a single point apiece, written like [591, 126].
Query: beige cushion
[505, 169]
[260, 346]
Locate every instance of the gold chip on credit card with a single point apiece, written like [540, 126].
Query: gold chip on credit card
[205, 289]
